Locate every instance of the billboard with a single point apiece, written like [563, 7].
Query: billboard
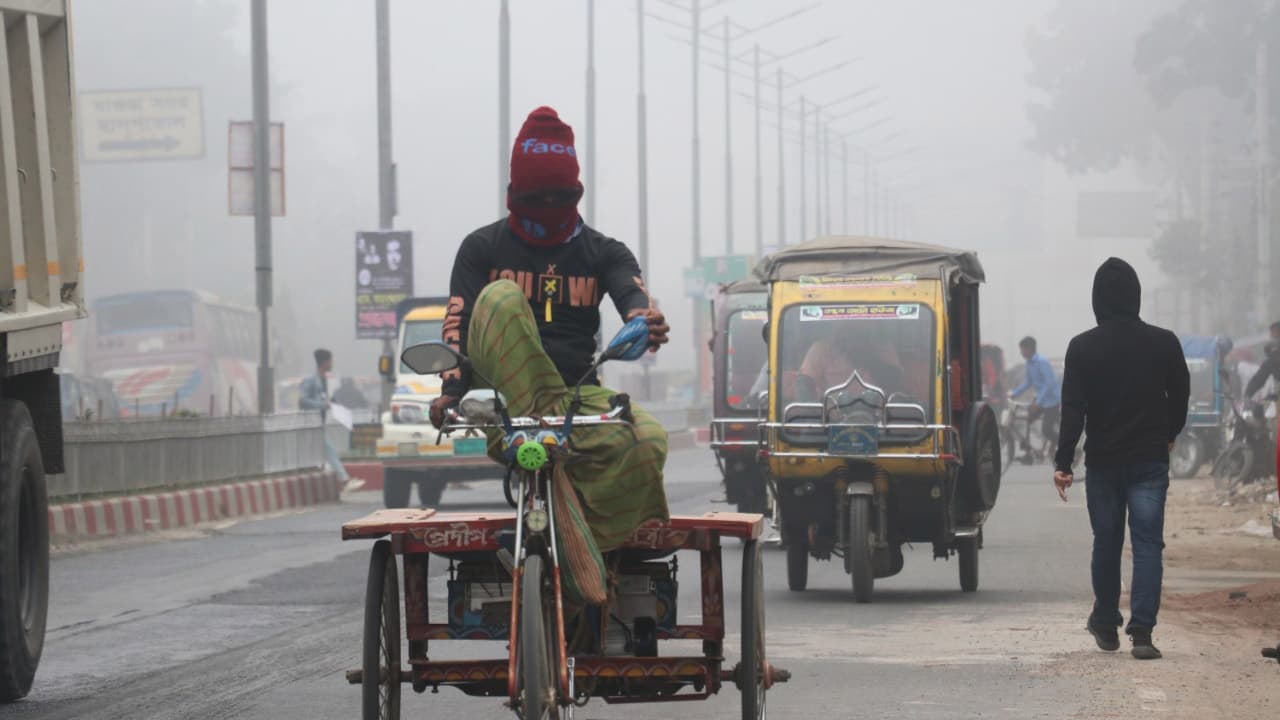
[131, 125]
[384, 277]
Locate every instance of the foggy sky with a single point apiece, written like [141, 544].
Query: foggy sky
[953, 75]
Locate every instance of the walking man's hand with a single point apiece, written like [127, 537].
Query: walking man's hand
[1062, 481]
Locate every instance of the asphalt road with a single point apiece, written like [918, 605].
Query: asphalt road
[260, 620]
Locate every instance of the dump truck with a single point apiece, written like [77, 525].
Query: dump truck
[41, 289]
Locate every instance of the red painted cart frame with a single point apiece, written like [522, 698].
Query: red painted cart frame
[416, 534]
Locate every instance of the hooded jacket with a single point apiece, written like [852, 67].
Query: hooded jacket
[1125, 382]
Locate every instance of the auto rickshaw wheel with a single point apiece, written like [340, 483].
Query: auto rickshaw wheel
[859, 552]
[380, 684]
[751, 669]
[797, 564]
[967, 553]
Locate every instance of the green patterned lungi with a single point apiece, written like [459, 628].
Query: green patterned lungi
[617, 470]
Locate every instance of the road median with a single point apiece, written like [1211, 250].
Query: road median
[126, 515]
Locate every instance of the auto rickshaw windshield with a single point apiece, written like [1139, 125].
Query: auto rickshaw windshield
[745, 358]
[890, 345]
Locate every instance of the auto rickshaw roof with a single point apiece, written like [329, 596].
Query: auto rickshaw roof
[1207, 348]
[845, 254]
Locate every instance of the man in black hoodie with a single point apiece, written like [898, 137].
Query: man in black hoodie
[1127, 381]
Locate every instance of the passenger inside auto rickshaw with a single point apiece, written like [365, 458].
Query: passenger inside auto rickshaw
[831, 361]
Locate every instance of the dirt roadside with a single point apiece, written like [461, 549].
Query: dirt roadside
[1221, 606]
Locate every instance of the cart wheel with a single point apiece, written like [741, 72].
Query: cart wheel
[430, 490]
[537, 700]
[381, 683]
[751, 669]
[797, 565]
[510, 486]
[861, 543]
[967, 551]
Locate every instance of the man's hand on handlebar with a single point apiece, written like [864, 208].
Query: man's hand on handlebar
[438, 408]
[658, 328]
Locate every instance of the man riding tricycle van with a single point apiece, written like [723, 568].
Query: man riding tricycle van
[877, 434]
[579, 582]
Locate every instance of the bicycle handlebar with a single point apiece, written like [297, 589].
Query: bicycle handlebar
[455, 421]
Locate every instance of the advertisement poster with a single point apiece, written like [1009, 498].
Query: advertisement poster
[384, 277]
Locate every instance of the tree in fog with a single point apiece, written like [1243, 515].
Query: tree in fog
[1166, 86]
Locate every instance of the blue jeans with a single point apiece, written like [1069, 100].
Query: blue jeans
[334, 460]
[1140, 488]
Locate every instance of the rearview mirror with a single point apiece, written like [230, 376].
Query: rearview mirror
[432, 358]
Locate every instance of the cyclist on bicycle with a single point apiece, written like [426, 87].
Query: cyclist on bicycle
[1046, 407]
[524, 307]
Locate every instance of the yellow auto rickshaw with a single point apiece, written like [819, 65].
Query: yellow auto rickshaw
[876, 432]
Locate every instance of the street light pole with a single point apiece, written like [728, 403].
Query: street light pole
[803, 199]
[386, 167]
[826, 178]
[782, 171]
[696, 150]
[504, 102]
[866, 194]
[817, 170]
[262, 204]
[591, 111]
[642, 180]
[642, 143]
[759, 182]
[728, 145]
[844, 186]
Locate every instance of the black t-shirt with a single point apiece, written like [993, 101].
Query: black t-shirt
[564, 284]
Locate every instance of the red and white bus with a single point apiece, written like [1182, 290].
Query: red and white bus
[170, 350]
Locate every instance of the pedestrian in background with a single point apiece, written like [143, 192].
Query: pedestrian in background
[314, 395]
[1127, 383]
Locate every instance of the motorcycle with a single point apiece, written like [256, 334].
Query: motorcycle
[1247, 455]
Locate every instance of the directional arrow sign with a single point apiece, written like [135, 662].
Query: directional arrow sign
[131, 125]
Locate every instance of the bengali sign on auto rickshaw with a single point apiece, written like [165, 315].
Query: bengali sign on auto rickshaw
[384, 277]
[864, 281]
[890, 311]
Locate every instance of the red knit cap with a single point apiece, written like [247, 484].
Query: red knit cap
[543, 157]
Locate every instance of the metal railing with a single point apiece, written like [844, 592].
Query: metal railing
[131, 456]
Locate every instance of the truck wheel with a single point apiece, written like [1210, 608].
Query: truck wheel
[396, 483]
[430, 490]
[24, 551]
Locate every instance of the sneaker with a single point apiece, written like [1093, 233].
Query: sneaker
[1107, 637]
[1143, 649]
